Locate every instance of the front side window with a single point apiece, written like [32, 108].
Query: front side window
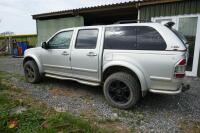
[61, 40]
[122, 37]
[87, 39]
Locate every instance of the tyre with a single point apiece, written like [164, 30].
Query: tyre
[31, 72]
[122, 90]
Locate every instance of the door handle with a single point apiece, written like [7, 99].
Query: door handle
[65, 53]
[91, 54]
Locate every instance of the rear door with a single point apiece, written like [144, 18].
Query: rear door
[85, 53]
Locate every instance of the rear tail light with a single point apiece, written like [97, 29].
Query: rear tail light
[180, 67]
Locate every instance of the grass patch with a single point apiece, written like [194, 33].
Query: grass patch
[18, 76]
[3, 74]
[68, 122]
[37, 117]
[3, 100]
[189, 126]
[7, 75]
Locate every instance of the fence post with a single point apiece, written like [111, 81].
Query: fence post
[9, 45]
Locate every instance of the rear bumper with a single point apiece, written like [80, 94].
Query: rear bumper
[182, 88]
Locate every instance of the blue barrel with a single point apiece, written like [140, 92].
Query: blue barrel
[23, 45]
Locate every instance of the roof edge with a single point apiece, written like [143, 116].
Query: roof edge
[153, 2]
[85, 9]
[18, 35]
[77, 11]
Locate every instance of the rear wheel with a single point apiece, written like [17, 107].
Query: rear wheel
[31, 72]
[122, 90]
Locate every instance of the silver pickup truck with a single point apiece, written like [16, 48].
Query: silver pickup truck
[128, 60]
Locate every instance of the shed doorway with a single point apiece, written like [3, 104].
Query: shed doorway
[189, 26]
[109, 16]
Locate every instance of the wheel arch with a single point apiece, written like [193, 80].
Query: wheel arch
[113, 67]
[28, 58]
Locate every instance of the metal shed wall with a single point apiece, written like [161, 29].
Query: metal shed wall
[46, 28]
[170, 9]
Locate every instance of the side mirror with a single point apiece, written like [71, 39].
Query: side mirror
[44, 45]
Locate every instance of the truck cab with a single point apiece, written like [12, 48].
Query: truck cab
[128, 60]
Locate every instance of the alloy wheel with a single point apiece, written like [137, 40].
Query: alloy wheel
[30, 74]
[119, 92]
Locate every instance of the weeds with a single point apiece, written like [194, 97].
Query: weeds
[189, 126]
[37, 118]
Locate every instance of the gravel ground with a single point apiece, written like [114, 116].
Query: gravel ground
[154, 113]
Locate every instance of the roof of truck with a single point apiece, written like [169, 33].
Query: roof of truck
[127, 24]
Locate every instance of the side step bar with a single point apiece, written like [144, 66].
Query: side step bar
[74, 79]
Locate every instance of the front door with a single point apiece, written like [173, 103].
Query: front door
[85, 54]
[56, 58]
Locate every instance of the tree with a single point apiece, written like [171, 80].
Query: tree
[7, 33]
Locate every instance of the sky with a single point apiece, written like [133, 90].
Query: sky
[15, 15]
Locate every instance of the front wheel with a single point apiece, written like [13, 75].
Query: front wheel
[122, 90]
[31, 72]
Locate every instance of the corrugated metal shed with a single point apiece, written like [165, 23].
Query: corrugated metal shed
[46, 28]
[74, 12]
[170, 9]
[78, 11]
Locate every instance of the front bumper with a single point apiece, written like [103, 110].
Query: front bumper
[182, 88]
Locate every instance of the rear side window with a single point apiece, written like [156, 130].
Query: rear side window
[133, 38]
[149, 39]
[180, 36]
[87, 39]
[123, 37]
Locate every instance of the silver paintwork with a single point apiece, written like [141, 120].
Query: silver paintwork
[153, 68]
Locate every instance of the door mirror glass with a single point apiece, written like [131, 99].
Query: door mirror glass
[44, 45]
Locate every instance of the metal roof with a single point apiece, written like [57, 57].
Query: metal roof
[77, 11]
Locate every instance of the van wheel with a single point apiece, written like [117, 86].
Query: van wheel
[31, 72]
[122, 90]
